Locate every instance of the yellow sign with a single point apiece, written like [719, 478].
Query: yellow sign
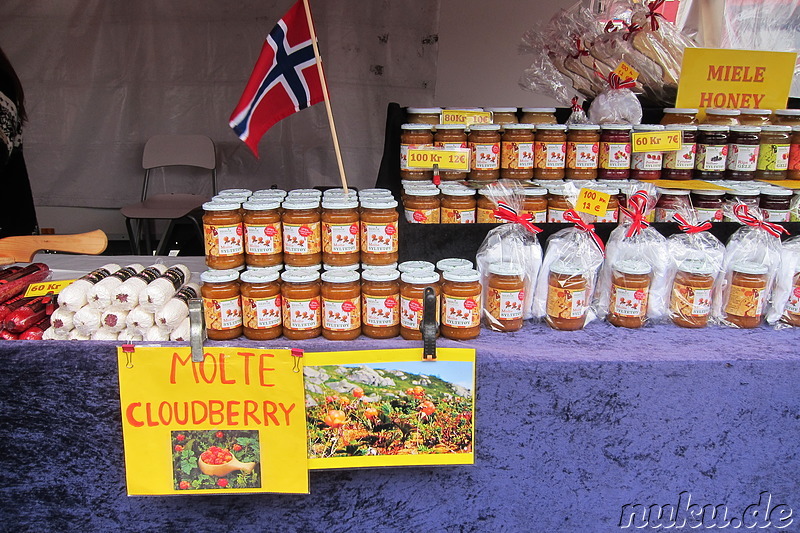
[456, 159]
[592, 202]
[626, 72]
[390, 408]
[692, 185]
[233, 423]
[46, 287]
[735, 78]
[656, 141]
[463, 116]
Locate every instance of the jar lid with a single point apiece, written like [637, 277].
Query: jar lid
[457, 191]
[527, 127]
[617, 127]
[682, 127]
[338, 191]
[378, 203]
[538, 109]
[297, 276]
[464, 108]
[534, 191]
[745, 129]
[238, 198]
[410, 266]
[424, 110]
[219, 276]
[712, 127]
[584, 127]
[484, 127]
[269, 193]
[749, 267]
[272, 268]
[259, 276]
[751, 111]
[417, 127]
[672, 192]
[449, 127]
[235, 192]
[311, 192]
[390, 266]
[744, 192]
[777, 191]
[339, 203]
[551, 127]
[776, 128]
[723, 111]
[380, 274]
[421, 191]
[379, 191]
[339, 195]
[709, 192]
[300, 203]
[504, 268]
[351, 268]
[219, 205]
[452, 263]
[682, 111]
[340, 276]
[796, 129]
[788, 112]
[261, 204]
[501, 109]
[418, 277]
[633, 267]
[612, 191]
[696, 266]
[648, 127]
[309, 268]
[564, 268]
[462, 275]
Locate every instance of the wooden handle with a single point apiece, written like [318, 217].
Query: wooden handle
[21, 249]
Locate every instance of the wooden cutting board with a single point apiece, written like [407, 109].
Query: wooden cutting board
[21, 249]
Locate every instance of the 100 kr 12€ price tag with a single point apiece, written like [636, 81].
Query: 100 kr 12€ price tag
[592, 202]
[426, 158]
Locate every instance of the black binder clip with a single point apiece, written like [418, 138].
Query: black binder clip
[428, 327]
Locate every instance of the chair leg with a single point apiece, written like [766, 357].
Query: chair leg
[148, 228]
[163, 244]
[133, 237]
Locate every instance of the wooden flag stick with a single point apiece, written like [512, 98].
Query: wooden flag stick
[326, 96]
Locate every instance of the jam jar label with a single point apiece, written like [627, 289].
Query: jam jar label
[566, 303]
[516, 155]
[628, 302]
[485, 156]
[341, 315]
[505, 305]
[682, 159]
[582, 155]
[340, 238]
[223, 240]
[381, 312]
[301, 314]
[261, 313]
[404, 148]
[705, 214]
[665, 214]
[794, 157]
[538, 217]
[458, 216]
[776, 215]
[793, 304]
[711, 158]
[301, 239]
[612, 215]
[550, 155]
[689, 301]
[410, 312]
[745, 301]
[263, 239]
[743, 157]
[450, 146]
[556, 215]
[773, 157]
[422, 216]
[646, 161]
[486, 216]
[461, 312]
[379, 238]
[615, 155]
[223, 313]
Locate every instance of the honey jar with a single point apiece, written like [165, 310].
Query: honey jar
[505, 297]
[790, 117]
[223, 233]
[646, 165]
[746, 296]
[503, 115]
[222, 305]
[458, 205]
[722, 116]
[261, 305]
[340, 232]
[538, 115]
[615, 152]
[379, 221]
[673, 115]
[263, 243]
[461, 304]
[550, 152]
[421, 205]
[690, 298]
[583, 147]
[414, 136]
[773, 152]
[534, 203]
[341, 305]
[743, 144]
[302, 309]
[484, 145]
[679, 164]
[450, 137]
[516, 152]
[412, 289]
[380, 303]
[755, 117]
[301, 232]
[567, 296]
[424, 115]
[791, 312]
[630, 290]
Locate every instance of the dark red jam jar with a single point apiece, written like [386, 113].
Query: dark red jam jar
[679, 165]
[743, 144]
[712, 152]
[615, 152]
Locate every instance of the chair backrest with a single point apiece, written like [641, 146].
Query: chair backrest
[171, 150]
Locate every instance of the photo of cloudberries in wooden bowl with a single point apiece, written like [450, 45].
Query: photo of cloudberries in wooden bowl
[219, 462]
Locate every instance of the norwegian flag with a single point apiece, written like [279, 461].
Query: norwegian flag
[284, 80]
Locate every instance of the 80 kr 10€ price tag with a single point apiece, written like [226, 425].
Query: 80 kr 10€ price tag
[592, 202]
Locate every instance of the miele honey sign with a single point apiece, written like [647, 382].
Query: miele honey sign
[735, 79]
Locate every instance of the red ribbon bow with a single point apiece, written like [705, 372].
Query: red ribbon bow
[508, 213]
[742, 212]
[575, 105]
[632, 28]
[581, 50]
[614, 81]
[637, 203]
[652, 15]
[570, 215]
[686, 227]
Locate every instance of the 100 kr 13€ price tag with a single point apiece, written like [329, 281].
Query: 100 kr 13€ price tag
[426, 158]
[592, 202]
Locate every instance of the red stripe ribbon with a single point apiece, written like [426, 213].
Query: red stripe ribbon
[686, 227]
[570, 215]
[614, 81]
[508, 213]
[742, 212]
[575, 105]
[637, 204]
[652, 15]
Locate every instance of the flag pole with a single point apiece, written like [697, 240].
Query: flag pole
[326, 96]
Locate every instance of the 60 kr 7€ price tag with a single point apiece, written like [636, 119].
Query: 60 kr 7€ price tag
[592, 202]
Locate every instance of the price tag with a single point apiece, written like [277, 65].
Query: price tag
[40, 289]
[625, 71]
[656, 141]
[462, 116]
[425, 158]
[592, 202]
